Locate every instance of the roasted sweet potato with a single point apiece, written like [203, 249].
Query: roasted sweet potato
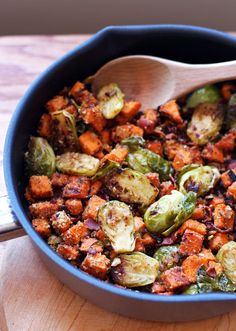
[174, 279]
[129, 110]
[224, 217]
[121, 132]
[217, 241]
[155, 146]
[171, 110]
[40, 187]
[74, 206]
[90, 143]
[59, 180]
[77, 189]
[68, 252]
[191, 243]
[42, 227]
[148, 120]
[44, 127]
[231, 192]
[118, 154]
[75, 233]
[228, 142]
[92, 207]
[212, 154]
[96, 265]
[59, 102]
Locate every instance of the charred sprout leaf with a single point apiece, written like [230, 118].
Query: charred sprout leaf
[117, 222]
[77, 164]
[199, 179]
[207, 93]
[167, 256]
[111, 100]
[64, 136]
[40, 158]
[231, 113]
[206, 123]
[169, 212]
[227, 257]
[220, 283]
[131, 187]
[146, 161]
[135, 269]
[133, 142]
[106, 169]
[192, 289]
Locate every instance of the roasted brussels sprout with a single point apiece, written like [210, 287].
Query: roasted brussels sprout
[133, 142]
[227, 257]
[169, 212]
[167, 256]
[64, 135]
[208, 93]
[134, 270]
[146, 161]
[192, 289]
[77, 164]
[206, 123]
[117, 222]
[111, 100]
[40, 158]
[231, 113]
[197, 178]
[220, 283]
[131, 187]
[107, 168]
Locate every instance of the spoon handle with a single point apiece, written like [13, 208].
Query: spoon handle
[189, 77]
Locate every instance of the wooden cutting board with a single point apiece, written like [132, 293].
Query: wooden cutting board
[31, 298]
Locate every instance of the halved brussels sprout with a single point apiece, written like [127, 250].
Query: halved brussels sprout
[227, 257]
[206, 123]
[131, 187]
[192, 289]
[77, 164]
[133, 142]
[117, 222]
[40, 158]
[111, 100]
[197, 178]
[145, 161]
[64, 135]
[134, 270]
[231, 113]
[220, 283]
[167, 256]
[106, 169]
[208, 93]
[169, 212]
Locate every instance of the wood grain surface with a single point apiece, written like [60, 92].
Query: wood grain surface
[31, 298]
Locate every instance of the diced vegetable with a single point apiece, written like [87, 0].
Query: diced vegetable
[135, 269]
[40, 158]
[111, 100]
[117, 222]
[171, 110]
[40, 187]
[90, 143]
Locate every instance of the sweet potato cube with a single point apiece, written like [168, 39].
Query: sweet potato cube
[171, 110]
[59, 102]
[77, 189]
[92, 115]
[192, 225]
[153, 177]
[60, 221]
[139, 224]
[218, 241]
[92, 207]
[59, 180]
[68, 252]
[129, 110]
[155, 146]
[106, 137]
[74, 206]
[45, 209]
[40, 187]
[232, 191]
[174, 279]
[228, 177]
[44, 127]
[121, 132]
[191, 243]
[42, 227]
[224, 217]
[96, 265]
[90, 245]
[191, 265]
[90, 143]
[76, 89]
[95, 187]
[75, 233]
[148, 120]
[118, 154]
[227, 142]
[213, 154]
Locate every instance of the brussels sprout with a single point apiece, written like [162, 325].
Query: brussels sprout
[231, 113]
[131, 187]
[40, 158]
[111, 100]
[207, 93]
[77, 164]
[206, 123]
[117, 222]
[106, 169]
[64, 136]
[169, 212]
[133, 142]
[227, 257]
[220, 283]
[146, 161]
[199, 179]
[192, 289]
[167, 256]
[134, 270]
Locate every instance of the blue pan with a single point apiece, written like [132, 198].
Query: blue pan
[181, 43]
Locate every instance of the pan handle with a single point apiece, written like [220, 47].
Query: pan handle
[10, 228]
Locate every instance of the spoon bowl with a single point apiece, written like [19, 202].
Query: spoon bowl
[156, 80]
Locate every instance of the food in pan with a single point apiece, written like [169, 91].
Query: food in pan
[140, 198]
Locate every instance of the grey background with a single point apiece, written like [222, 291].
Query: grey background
[87, 16]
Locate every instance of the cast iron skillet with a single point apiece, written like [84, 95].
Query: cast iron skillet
[181, 43]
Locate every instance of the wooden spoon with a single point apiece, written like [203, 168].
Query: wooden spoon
[153, 80]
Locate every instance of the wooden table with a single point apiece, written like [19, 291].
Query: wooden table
[31, 298]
